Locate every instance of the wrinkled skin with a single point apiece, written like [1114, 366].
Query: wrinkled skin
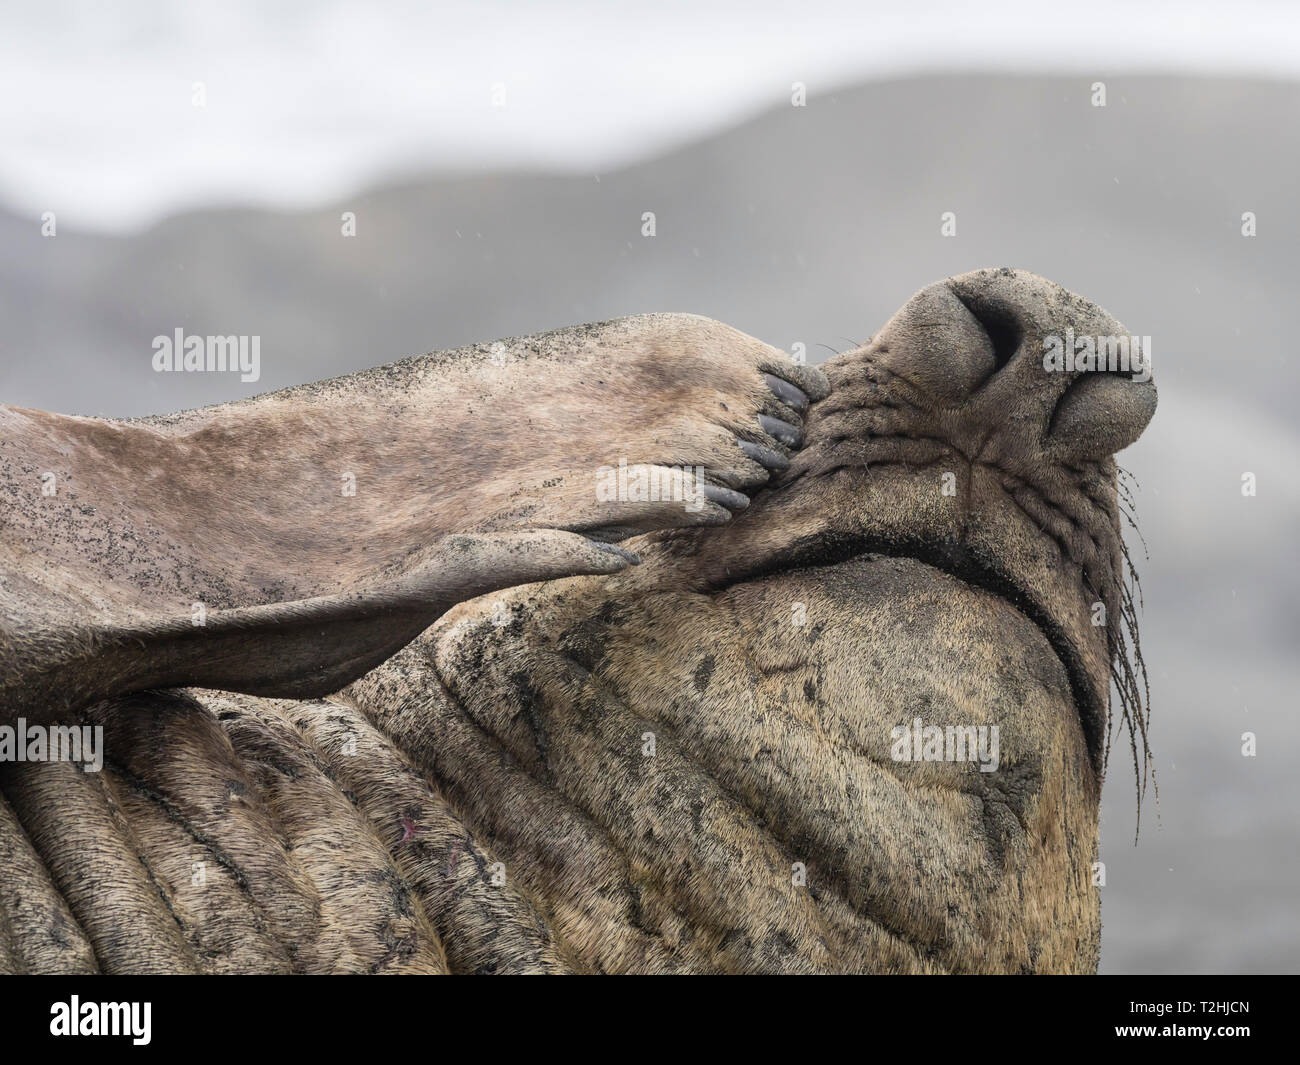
[681, 765]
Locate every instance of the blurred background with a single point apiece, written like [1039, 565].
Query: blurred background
[169, 166]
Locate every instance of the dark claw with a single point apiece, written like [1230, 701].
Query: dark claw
[790, 435]
[787, 393]
[764, 456]
[725, 496]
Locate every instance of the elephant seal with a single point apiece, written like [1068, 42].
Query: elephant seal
[857, 724]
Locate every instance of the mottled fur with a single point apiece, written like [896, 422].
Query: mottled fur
[657, 770]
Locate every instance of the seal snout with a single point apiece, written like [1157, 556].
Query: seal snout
[1038, 373]
[975, 432]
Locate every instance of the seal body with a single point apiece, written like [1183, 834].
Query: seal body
[857, 725]
[724, 768]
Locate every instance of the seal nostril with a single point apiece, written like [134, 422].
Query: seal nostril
[1100, 414]
[1000, 323]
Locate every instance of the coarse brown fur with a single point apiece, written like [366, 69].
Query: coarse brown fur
[679, 766]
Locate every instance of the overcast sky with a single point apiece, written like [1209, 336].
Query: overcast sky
[306, 102]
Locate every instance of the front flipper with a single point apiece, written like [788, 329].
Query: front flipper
[303, 648]
[269, 546]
